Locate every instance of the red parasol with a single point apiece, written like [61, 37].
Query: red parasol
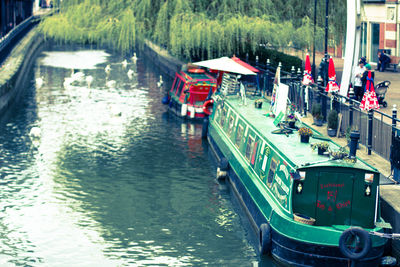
[369, 100]
[307, 78]
[332, 85]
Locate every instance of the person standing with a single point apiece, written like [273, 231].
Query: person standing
[358, 74]
[365, 76]
[383, 61]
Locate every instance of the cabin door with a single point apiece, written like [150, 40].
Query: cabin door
[334, 198]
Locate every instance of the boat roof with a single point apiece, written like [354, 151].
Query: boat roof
[299, 155]
[225, 64]
[197, 77]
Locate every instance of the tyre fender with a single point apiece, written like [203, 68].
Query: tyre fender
[265, 238]
[222, 170]
[363, 245]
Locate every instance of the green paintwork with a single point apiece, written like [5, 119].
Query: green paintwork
[333, 191]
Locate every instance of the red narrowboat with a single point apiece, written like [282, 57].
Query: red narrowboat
[190, 94]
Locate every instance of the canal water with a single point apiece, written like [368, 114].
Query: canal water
[95, 172]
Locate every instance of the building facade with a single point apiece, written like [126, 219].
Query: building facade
[12, 13]
[380, 28]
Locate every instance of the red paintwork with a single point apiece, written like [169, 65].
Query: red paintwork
[192, 89]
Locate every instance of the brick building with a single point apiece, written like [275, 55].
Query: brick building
[380, 28]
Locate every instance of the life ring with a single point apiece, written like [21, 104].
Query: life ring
[265, 238]
[207, 106]
[196, 70]
[360, 243]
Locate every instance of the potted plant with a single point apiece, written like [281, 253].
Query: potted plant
[291, 118]
[258, 103]
[332, 123]
[305, 134]
[316, 112]
[321, 146]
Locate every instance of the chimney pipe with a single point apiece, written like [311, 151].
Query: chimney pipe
[354, 137]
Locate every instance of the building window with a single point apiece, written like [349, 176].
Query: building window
[390, 13]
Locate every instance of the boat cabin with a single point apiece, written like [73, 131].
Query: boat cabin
[294, 177]
[192, 87]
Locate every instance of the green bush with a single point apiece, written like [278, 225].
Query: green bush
[274, 57]
[316, 111]
[332, 119]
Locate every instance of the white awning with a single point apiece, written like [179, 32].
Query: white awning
[225, 64]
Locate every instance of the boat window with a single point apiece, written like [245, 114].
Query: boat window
[271, 172]
[223, 117]
[217, 113]
[249, 147]
[176, 84]
[231, 124]
[239, 135]
[179, 91]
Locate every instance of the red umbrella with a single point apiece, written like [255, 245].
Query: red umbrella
[369, 100]
[332, 85]
[307, 78]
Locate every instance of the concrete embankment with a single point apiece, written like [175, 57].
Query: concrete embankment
[13, 71]
[159, 56]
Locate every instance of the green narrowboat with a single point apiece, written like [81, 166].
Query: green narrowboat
[307, 209]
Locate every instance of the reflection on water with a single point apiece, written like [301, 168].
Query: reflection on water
[108, 177]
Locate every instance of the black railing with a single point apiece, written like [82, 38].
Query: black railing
[377, 129]
[8, 41]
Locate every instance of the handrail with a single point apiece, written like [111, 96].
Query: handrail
[5, 40]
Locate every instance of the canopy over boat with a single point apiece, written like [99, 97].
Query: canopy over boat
[244, 64]
[225, 64]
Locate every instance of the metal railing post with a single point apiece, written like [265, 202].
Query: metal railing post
[292, 89]
[351, 112]
[299, 74]
[293, 74]
[301, 92]
[394, 122]
[370, 118]
[267, 91]
[320, 83]
[323, 105]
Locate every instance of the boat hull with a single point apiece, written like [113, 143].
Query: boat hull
[285, 249]
[176, 108]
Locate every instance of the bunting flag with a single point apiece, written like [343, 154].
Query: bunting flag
[307, 78]
[277, 80]
[369, 100]
[332, 85]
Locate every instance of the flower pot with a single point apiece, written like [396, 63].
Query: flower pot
[304, 138]
[318, 122]
[332, 132]
[321, 151]
[258, 104]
